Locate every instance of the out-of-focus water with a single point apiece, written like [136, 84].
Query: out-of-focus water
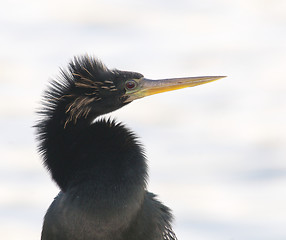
[216, 152]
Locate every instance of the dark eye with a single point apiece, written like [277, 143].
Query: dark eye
[130, 84]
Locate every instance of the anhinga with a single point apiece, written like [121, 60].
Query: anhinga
[99, 164]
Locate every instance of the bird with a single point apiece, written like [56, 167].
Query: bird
[98, 163]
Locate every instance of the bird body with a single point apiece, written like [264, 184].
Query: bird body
[98, 164]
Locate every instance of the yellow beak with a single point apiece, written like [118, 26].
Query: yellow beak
[146, 87]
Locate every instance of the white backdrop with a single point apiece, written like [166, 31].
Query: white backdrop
[216, 152]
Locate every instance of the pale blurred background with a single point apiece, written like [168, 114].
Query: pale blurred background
[216, 152]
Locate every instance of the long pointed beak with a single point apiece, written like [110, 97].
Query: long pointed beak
[147, 87]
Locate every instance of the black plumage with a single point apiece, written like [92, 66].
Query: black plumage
[98, 164]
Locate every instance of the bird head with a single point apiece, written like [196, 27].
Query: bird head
[93, 88]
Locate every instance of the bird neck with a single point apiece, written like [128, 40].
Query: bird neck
[99, 155]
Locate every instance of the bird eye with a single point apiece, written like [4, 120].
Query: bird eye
[131, 84]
